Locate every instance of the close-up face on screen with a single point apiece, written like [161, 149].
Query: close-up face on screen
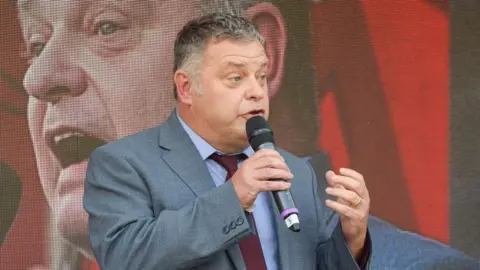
[98, 71]
[361, 84]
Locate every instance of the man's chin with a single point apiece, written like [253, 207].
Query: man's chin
[71, 221]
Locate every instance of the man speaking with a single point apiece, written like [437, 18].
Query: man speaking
[192, 193]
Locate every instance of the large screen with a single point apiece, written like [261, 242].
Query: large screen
[388, 88]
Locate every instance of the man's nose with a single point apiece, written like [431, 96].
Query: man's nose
[257, 90]
[54, 74]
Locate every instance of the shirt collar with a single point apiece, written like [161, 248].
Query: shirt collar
[203, 147]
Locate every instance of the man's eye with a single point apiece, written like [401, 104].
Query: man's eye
[236, 78]
[106, 28]
[263, 77]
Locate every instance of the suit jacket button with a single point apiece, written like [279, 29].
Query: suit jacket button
[239, 221]
[233, 225]
[226, 229]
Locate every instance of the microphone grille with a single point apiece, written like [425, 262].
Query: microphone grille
[256, 123]
[258, 131]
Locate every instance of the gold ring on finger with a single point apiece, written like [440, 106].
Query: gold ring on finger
[359, 200]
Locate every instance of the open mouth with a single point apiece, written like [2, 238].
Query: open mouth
[73, 147]
[253, 113]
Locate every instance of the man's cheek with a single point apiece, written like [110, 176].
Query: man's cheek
[45, 161]
[124, 120]
[36, 114]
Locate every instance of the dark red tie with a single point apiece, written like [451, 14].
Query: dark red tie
[251, 249]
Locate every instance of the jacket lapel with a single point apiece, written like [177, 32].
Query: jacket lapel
[184, 159]
[182, 156]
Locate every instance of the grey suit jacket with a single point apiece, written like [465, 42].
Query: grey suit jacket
[152, 204]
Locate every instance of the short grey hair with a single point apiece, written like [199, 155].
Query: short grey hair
[214, 27]
[235, 7]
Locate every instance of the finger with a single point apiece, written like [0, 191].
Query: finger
[329, 176]
[272, 174]
[345, 194]
[349, 183]
[343, 209]
[353, 174]
[270, 162]
[272, 185]
[265, 152]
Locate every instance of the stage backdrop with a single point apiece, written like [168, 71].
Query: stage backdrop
[389, 88]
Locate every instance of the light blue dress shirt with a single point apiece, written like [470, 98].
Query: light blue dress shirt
[262, 211]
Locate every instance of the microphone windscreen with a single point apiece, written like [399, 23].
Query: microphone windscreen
[258, 132]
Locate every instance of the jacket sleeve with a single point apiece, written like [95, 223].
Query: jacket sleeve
[332, 250]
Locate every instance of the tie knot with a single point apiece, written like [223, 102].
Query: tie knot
[230, 163]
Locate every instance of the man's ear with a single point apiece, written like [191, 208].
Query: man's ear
[184, 86]
[271, 25]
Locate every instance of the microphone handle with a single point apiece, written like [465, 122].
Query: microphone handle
[284, 200]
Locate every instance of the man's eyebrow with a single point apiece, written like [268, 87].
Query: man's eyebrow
[242, 65]
[234, 64]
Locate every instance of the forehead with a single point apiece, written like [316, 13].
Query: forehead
[243, 52]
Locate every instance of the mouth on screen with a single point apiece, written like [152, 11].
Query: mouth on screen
[73, 147]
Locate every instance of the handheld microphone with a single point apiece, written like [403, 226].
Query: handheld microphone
[261, 136]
